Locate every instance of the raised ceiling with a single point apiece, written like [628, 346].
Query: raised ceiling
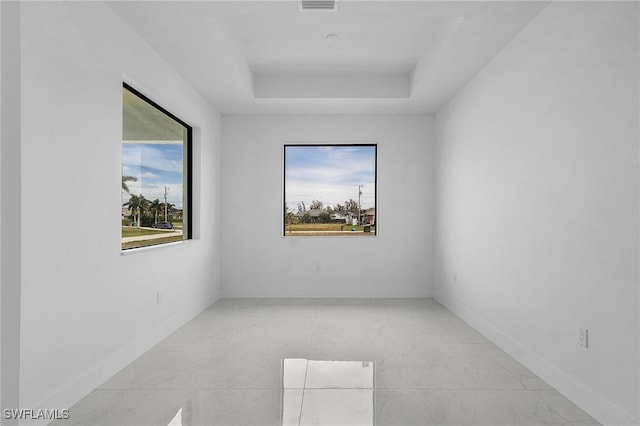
[267, 57]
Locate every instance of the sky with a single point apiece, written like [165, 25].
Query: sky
[329, 173]
[155, 166]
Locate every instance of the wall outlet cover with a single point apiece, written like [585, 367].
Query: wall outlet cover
[583, 337]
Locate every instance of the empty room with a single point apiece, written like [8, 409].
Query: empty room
[330, 212]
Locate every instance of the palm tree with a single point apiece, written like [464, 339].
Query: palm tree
[132, 204]
[126, 179]
[155, 207]
[137, 203]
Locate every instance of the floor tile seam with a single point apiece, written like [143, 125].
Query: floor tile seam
[195, 340]
[329, 388]
[270, 341]
[444, 343]
[143, 389]
[438, 389]
[510, 390]
[195, 389]
[548, 388]
[238, 388]
[405, 388]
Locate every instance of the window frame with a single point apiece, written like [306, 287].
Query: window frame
[374, 145]
[187, 193]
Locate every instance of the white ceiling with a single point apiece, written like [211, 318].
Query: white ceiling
[266, 57]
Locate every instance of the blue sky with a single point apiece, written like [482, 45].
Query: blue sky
[329, 173]
[155, 166]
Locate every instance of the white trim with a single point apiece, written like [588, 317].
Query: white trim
[589, 400]
[153, 247]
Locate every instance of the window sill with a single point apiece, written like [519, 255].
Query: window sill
[152, 248]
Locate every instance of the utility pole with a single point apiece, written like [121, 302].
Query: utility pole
[165, 203]
[359, 196]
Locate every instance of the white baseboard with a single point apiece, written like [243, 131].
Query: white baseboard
[77, 388]
[590, 401]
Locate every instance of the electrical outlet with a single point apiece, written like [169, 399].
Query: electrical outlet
[455, 278]
[157, 297]
[583, 337]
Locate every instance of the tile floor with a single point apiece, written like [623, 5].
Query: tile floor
[269, 362]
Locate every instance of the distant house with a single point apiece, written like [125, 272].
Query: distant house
[369, 217]
[175, 214]
[343, 217]
[321, 216]
[310, 216]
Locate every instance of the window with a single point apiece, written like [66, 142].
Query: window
[330, 190]
[156, 173]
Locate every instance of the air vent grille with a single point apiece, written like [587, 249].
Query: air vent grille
[318, 4]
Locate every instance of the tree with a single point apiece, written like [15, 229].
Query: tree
[126, 179]
[326, 214]
[288, 215]
[155, 207]
[351, 206]
[301, 207]
[316, 205]
[138, 205]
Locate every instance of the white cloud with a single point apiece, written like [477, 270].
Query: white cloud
[332, 177]
[150, 157]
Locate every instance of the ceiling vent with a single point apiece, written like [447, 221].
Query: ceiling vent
[318, 5]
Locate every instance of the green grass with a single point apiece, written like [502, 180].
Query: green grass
[128, 231]
[315, 227]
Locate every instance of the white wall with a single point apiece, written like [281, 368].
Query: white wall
[259, 262]
[537, 203]
[9, 204]
[87, 309]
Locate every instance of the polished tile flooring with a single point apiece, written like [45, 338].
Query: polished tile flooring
[345, 362]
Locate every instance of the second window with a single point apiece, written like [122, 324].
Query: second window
[330, 190]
